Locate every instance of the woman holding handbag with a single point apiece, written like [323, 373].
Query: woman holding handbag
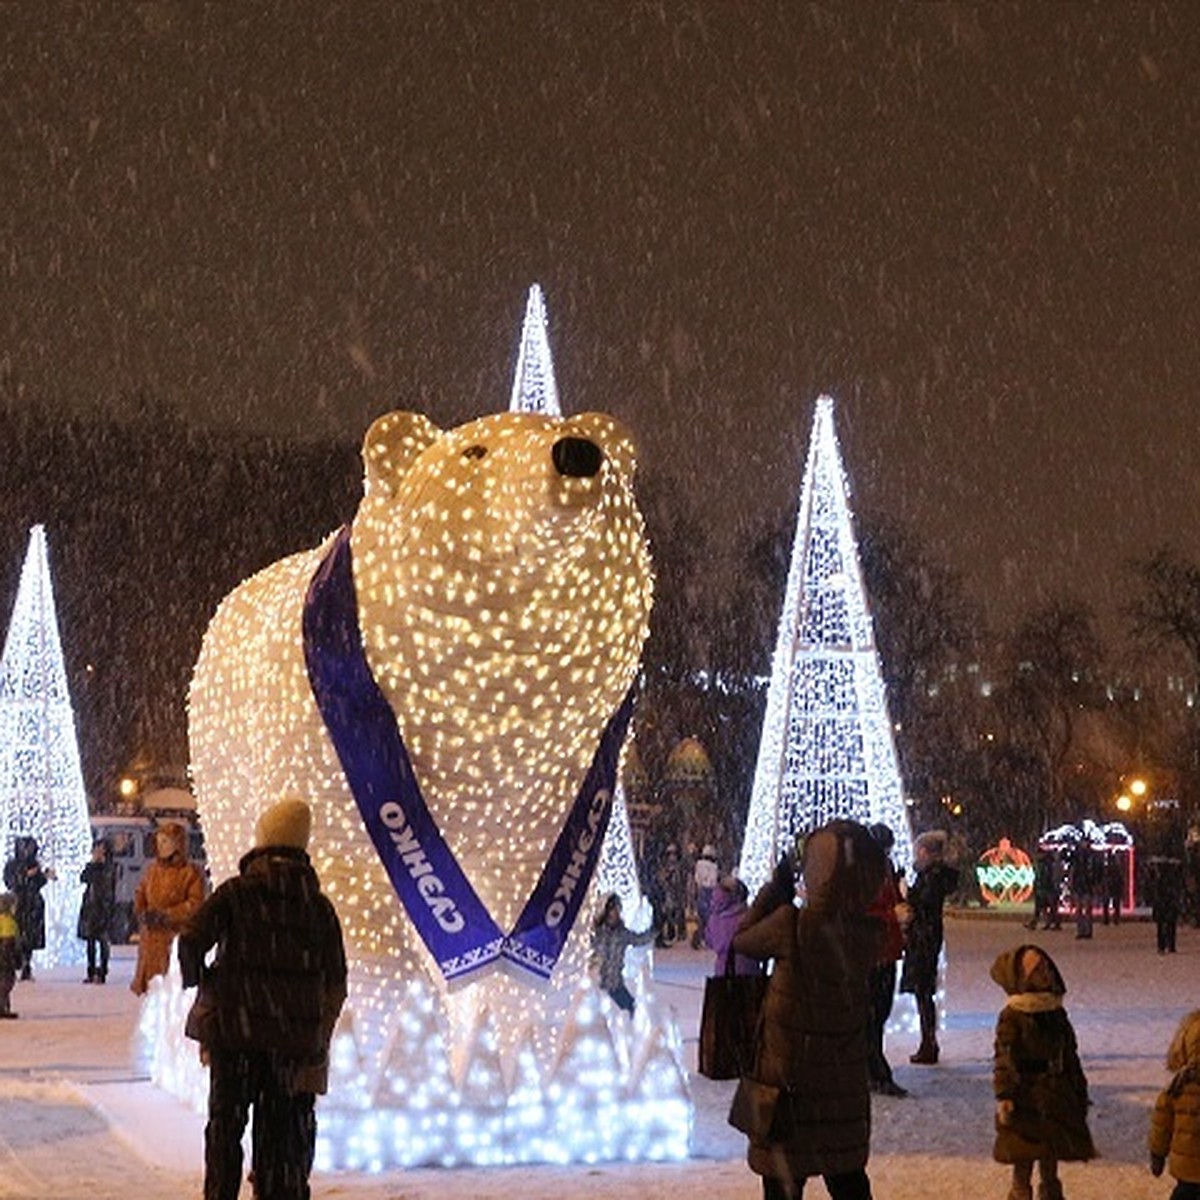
[808, 1101]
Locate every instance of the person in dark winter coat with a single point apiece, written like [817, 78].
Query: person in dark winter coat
[1113, 885]
[670, 889]
[924, 933]
[1047, 890]
[99, 879]
[610, 939]
[25, 878]
[1165, 893]
[1175, 1122]
[885, 906]
[266, 1009]
[1085, 876]
[813, 1030]
[1041, 1091]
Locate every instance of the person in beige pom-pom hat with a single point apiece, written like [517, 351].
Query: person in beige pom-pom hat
[266, 1009]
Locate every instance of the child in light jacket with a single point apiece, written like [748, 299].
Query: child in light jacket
[1175, 1123]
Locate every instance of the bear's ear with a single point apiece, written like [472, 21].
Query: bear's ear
[392, 445]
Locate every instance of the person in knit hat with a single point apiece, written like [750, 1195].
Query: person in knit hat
[1175, 1122]
[170, 891]
[266, 1008]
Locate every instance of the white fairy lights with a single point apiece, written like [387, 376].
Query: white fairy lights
[534, 387]
[41, 781]
[826, 749]
[503, 606]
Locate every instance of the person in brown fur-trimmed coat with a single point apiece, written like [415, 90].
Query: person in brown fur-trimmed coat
[170, 891]
[1041, 1091]
[1175, 1123]
[813, 1039]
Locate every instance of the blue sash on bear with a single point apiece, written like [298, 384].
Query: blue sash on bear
[453, 922]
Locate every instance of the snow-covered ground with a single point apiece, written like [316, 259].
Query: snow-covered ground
[78, 1119]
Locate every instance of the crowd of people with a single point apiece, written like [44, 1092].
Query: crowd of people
[838, 928]
[835, 929]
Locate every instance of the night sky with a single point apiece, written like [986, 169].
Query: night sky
[974, 225]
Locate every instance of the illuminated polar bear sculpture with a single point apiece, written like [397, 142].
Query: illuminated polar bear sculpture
[500, 596]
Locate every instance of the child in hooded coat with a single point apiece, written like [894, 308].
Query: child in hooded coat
[1041, 1090]
[1175, 1123]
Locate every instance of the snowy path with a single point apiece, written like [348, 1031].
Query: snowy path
[77, 1119]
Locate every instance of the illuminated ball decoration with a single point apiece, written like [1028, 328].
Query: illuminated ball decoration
[1005, 874]
[503, 600]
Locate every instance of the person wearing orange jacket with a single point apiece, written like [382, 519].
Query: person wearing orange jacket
[170, 891]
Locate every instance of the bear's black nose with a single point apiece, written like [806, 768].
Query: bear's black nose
[577, 457]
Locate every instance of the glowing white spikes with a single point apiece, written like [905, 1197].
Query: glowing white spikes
[827, 749]
[534, 389]
[41, 782]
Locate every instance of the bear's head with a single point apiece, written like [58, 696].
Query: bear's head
[504, 590]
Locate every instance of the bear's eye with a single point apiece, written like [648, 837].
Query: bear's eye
[475, 452]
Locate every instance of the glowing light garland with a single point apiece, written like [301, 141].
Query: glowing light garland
[41, 781]
[826, 749]
[503, 608]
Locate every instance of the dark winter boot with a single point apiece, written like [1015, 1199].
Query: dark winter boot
[1050, 1189]
[1022, 1182]
[926, 1055]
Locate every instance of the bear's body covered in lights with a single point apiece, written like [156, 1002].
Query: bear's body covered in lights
[503, 591]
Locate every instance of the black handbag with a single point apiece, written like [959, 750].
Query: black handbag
[763, 1112]
[729, 1022]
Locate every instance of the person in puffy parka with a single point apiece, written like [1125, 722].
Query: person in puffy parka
[1175, 1123]
[266, 1008]
[812, 1037]
[1041, 1091]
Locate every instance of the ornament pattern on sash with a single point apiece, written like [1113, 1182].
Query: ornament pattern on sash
[453, 922]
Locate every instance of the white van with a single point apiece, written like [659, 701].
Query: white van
[133, 849]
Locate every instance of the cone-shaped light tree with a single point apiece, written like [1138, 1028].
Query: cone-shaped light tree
[41, 782]
[534, 389]
[827, 749]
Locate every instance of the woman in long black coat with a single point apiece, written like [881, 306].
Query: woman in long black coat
[97, 908]
[923, 936]
[24, 877]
